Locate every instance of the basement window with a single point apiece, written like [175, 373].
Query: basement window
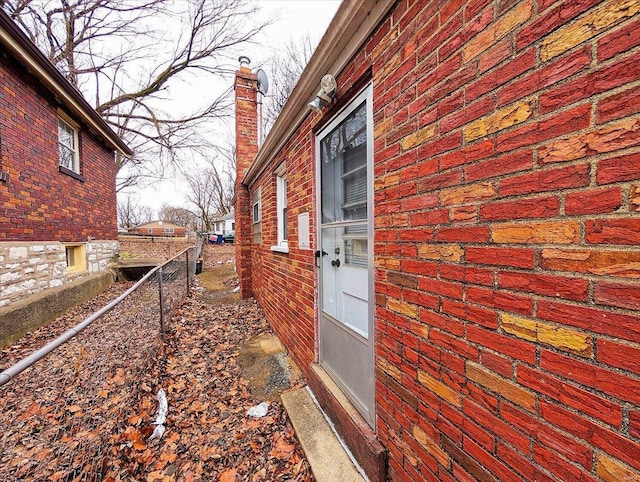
[76, 258]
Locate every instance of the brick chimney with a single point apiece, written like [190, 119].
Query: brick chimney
[246, 87]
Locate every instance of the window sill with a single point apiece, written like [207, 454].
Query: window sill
[71, 173]
[280, 249]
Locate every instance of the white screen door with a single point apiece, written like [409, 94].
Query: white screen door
[345, 151]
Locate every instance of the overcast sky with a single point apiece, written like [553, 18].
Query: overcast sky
[293, 20]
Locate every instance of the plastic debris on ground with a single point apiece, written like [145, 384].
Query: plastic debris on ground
[161, 417]
[259, 410]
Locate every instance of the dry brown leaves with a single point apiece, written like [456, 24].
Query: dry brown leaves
[208, 435]
[85, 413]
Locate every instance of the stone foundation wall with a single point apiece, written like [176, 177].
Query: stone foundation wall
[29, 268]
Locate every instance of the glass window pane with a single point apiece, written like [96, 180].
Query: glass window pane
[343, 156]
[66, 157]
[65, 134]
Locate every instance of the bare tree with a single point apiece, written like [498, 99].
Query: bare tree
[131, 213]
[128, 57]
[211, 189]
[284, 71]
[178, 215]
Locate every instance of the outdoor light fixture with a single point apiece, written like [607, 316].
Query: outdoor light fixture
[325, 95]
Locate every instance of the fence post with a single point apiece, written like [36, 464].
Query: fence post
[188, 281]
[162, 327]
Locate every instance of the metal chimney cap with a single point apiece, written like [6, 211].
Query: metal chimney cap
[244, 61]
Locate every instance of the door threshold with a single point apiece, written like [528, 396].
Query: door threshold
[350, 425]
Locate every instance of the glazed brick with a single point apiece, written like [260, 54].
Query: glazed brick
[556, 286]
[521, 209]
[621, 295]
[619, 355]
[618, 169]
[626, 327]
[505, 345]
[618, 41]
[606, 381]
[514, 257]
[547, 435]
[571, 396]
[598, 201]
[613, 231]
[545, 181]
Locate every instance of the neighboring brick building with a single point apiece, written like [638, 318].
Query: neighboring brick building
[159, 228]
[472, 198]
[57, 175]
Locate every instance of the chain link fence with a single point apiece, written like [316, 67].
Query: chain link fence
[62, 415]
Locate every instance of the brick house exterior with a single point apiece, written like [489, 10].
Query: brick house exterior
[504, 248]
[53, 210]
[159, 228]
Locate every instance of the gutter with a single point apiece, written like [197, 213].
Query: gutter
[26, 53]
[352, 25]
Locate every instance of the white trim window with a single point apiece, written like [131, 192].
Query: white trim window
[256, 207]
[281, 207]
[69, 154]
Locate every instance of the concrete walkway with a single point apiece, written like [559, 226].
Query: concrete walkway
[328, 459]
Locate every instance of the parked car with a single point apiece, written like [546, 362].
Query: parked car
[229, 237]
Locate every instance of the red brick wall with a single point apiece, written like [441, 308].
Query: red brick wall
[285, 283]
[39, 202]
[507, 233]
[246, 116]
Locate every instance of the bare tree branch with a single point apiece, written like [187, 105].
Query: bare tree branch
[128, 56]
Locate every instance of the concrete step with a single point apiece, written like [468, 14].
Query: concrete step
[328, 458]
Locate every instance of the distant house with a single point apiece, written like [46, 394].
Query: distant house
[158, 228]
[445, 234]
[57, 175]
[224, 224]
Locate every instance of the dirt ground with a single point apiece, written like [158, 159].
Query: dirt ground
[218, 278]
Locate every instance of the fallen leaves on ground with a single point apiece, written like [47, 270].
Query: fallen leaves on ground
[208, 435]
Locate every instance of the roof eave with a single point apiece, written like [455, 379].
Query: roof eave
[352, 25]
[27, 54]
